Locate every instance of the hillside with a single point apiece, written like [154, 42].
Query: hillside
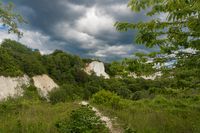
[134, 104]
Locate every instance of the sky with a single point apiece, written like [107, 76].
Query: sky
[81, 27]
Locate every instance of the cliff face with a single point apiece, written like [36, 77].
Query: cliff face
[12, 87]
[98, 68]
[44, 84]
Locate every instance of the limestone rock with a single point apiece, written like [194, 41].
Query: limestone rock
[150, 77]
[12, 87]
[44, 84]
[98, 68]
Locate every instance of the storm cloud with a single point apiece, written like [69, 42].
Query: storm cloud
[82, 27]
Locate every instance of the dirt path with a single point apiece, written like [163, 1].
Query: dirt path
[105, 119]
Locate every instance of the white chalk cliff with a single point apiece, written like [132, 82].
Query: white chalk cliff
[44, 84]
[98, 68]
[12, 87]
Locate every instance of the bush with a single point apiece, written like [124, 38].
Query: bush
[143, 94]
[106, 98]
[164, 91]
[31, 93]
[124, 92]
[8, 65]
[57, 95]
[82, 120]
[66, 92]
[160, 101]
[136, 95]
[129, 130]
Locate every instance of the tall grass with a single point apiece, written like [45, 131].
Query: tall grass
[159, 114]
[32, 117]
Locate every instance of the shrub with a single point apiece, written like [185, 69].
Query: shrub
[82, 120]
[123, 92]
[136, 95]
[66, 92]
[160, 100]
[31, 93]
[164, 91]
[129, 130]
[12, 106]
[106, 98]
[57, 95]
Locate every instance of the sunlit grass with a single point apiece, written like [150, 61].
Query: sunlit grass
[33, 117]
[159, 114]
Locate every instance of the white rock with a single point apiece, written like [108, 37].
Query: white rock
[98, 68]
[12, 87]
[84, 103]
[149, 77]
[44, 84]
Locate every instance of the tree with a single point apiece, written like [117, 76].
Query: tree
[10, 19]
[180, 29]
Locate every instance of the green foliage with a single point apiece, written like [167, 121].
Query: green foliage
[164, 91]
[68, 69]
[66, 92]
[136, 95]
[26, 116]
[179, 30]
[10, 19]
[137, 65]
[119, 87]
[8, 66]
[16, 59]
[168, 34]
[58, 95]
[129, 130]
[116, 68]
[187, 71]
[82, 120]
[63, 67]
[163, 112]
[11, 106]
[160, 105]
[106, 98]
[31, 93]
[21, 59]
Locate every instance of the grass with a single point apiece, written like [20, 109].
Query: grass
[33, 117]
[160, 114]
[168, 111]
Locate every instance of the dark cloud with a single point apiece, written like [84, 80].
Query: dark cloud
[83, 27]
[89, 3]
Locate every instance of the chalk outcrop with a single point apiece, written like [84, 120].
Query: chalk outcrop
[149, 77]
[97, 68]
[44, 84]
[12, 87]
